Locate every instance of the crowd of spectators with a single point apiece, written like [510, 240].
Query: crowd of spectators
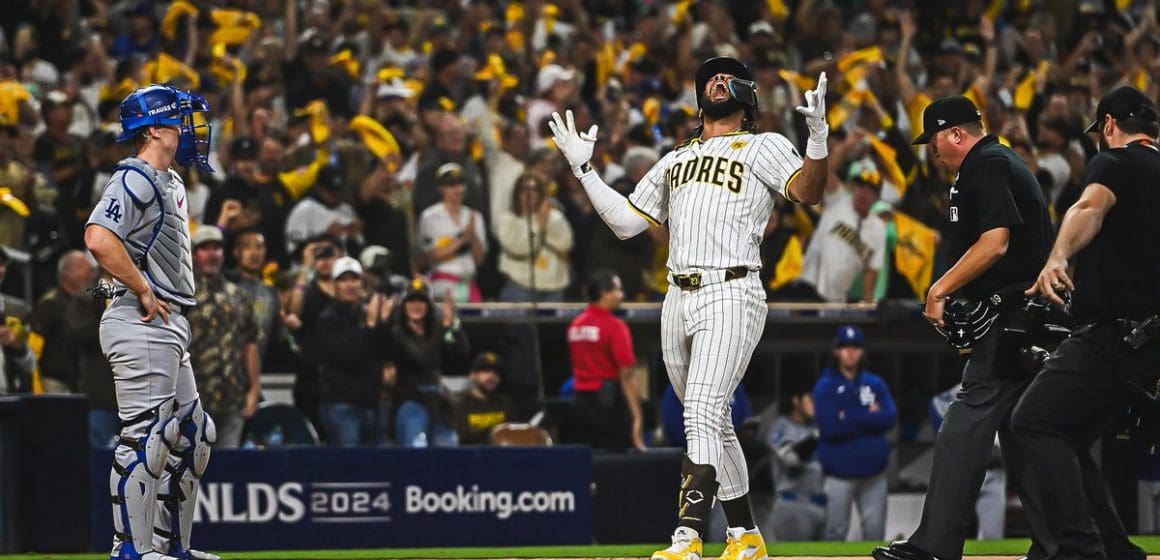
[378, 163]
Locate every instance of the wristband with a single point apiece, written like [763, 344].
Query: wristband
[817, 149]
[582, 169]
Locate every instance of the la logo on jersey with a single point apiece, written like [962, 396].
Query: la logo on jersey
[954, 213]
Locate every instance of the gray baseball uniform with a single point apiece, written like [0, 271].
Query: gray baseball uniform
[156, 393]
[799, 510]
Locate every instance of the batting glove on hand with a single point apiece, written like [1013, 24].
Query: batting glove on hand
[815, 114]
[576, 146]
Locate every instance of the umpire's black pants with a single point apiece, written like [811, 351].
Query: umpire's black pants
[962, 449]
[1076, 398]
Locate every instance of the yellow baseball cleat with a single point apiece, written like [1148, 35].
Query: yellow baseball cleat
[686, 546]
[743, 545]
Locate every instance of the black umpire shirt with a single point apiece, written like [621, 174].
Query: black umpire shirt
[1114, 278]
[995, 189]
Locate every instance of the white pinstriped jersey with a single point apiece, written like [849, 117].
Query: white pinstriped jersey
[717, 195]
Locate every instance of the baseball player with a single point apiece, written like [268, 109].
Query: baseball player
[139, 233]
[716, 192]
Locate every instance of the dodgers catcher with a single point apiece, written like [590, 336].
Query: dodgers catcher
[139, 233]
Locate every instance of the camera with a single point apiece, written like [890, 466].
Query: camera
[1031, 333]
[325, 252]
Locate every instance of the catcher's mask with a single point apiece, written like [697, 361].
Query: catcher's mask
[741, 88]
[966, 322]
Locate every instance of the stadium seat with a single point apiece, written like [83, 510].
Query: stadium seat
[278, 425]
[519, 434]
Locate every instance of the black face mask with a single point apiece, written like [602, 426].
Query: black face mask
[720, 109]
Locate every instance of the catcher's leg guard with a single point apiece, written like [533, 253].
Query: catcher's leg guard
[138, 461]
[180, 483]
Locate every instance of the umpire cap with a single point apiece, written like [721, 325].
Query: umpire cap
[1125, 102]
[728, 65]
[944, 113]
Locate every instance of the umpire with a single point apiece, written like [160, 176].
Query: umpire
[1113, 233]
[999, 236]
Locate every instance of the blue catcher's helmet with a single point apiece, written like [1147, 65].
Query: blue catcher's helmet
[162, 105]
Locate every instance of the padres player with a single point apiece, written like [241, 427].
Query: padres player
[716, 192]
[139, 233]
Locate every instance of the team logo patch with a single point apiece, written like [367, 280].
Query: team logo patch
[738, 144]
[954, 213]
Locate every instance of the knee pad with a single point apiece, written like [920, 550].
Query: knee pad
[153, 435]
[199, 433]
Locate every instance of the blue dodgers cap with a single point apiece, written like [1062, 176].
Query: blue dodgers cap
[849, 335]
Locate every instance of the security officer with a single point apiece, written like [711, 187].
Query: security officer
[1114, 236]
[999, 236]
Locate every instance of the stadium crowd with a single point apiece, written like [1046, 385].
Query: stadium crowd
[377, 163]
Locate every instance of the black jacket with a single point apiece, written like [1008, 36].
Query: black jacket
[350, 356]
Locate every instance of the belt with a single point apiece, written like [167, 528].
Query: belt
[174, 307]
[793, 496]
[691, 281]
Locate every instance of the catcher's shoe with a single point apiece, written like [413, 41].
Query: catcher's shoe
[743, 545]
[901, 550]
[127, 553]
[686, 546]
[192, 554]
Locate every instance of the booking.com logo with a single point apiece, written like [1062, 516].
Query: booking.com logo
[472, 500]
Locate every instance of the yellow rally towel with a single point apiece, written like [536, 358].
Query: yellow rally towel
[977, 97]
[36, 344]
[550, 12]
[789, 266]
[777, 9]
[914, 108]
[176, 11]
[837, 114]
[319, 127]
[388, 73]
[376, 138]
[803, 83]
[299, 181]
[234, 26]
[914, 252]
[226, 68]
[10, 201]
[168, 69]
[853, 64]
[888, 159]
[681, 11]
[346, 60]
[12, 93]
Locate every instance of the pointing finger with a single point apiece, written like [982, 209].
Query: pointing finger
[571, 121]
[555, 131]
[557, 120]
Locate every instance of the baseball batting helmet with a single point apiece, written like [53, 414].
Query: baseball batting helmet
[162, 105]
[741, 87]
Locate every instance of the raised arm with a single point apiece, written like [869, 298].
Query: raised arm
[809, 185]
[622, 217]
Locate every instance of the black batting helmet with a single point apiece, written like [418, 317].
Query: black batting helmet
[742, 88]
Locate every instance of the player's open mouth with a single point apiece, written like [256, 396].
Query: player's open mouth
[719, 92]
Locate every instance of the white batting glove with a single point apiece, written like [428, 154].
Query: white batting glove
[815, 114]
[576, 146]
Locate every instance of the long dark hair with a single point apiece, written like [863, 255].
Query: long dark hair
[517, 191]
[748, 124]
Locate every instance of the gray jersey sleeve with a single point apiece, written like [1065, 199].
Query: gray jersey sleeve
[121, 206]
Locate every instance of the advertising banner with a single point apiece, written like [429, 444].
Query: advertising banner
[304, 498]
